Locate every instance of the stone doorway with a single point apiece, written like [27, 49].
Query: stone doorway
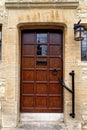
[41, 67]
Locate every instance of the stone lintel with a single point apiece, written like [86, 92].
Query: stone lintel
[60, 5]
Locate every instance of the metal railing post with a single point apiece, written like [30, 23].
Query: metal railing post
[71, 91]
[73, 95]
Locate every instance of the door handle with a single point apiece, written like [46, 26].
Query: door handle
[54, 71]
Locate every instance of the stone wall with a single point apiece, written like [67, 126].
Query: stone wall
[11, 19]
[82, 14]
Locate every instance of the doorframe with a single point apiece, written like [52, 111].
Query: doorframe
[30, 26]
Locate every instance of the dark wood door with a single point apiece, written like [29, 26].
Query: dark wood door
[41, 66]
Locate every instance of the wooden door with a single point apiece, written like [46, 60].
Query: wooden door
[41, 66]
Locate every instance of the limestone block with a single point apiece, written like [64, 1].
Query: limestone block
[84, 117]
[9, 107]
[9, 114]
[11, 88]
[10, 69]
[67, 111]
[12, 21]
[2, 88]
[9, 120]
[84, 112]
[69, 66]
[12, 36]
[73, 126]
[11, 53]
[68, 53]
[84, 73]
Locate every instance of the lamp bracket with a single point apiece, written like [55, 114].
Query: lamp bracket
[79, 21]
[77, 25]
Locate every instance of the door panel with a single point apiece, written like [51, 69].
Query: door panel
[41, 88]
[54, 102]
[41, 101]
[28, 75]
[28, 50]
[27, 101]
[55, 50]
[55, 62]
[28, 38]
[41, 75]
[54, 88]
[28, 88]
[41, 66]
[28, 62]
[55, 38]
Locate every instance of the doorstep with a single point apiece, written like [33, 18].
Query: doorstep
[34, 117]
[41, 121]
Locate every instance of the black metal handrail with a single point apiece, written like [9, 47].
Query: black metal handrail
[71, 91]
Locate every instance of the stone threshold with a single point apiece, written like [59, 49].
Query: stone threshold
[59, 5]
[24, 117]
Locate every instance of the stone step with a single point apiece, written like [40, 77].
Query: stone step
[36, 117]
[41, 126]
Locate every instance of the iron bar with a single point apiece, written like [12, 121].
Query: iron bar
[73, 95]
[71, 91]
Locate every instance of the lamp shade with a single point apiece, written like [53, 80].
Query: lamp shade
[78, 32]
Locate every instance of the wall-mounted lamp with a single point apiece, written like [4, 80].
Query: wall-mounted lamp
[78, 32]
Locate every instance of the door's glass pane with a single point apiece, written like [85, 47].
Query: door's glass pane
[41, 38]
[42, 50]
